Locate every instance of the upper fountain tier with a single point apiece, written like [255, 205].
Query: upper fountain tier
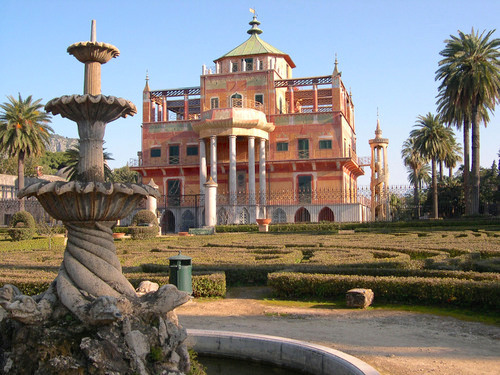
[91, 111]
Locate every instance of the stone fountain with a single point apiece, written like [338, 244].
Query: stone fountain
[91, 320]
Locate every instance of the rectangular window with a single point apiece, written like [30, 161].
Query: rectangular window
[282, 146]
[259, 98]
[173, 154]
[325, 144]
[173, 192]
[260, 65]
[305, 189]
[248, 64]
[214, 103]
[234, 67]
[155, 152]
[303, 148]
[192, 150]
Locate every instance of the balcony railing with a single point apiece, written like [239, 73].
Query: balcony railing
[303, 154]
[246, 103]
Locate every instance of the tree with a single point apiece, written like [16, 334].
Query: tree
[24, 132]
[124, 174]
[72, 156]
[470, 71]
[432, 141]
[418, 168]
[453, 156]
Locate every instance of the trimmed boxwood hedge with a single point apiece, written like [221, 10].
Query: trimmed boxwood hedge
[432, 291]
[23, 226]
[385, 227]
[204, 285]
[143, 233]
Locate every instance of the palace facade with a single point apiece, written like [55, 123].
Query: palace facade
[277, 146]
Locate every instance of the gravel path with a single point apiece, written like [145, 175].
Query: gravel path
[394, 342]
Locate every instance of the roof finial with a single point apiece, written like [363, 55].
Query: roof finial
[93, 32]
[336, 70]
[254, 23]
[146, 88]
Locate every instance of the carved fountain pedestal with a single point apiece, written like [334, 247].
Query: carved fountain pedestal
[91, 320]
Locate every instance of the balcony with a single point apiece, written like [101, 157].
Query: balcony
[244, 117]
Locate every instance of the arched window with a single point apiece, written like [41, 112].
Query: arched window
[222, 217]
[244, 216]
[279, 216]
[326, 214]
[236, 100]
[302, 215]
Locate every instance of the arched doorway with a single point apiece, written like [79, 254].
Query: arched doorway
[302, 216]
[168, 222]
[187, 221]
[326, 214]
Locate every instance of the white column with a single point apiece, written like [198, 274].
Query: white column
[262, 175]
[251, 170]
[213, 157]
[203, 166]
[211, 203]
[151, 203]
[232, 169]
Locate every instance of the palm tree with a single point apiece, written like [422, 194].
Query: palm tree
[24, 132]
[432, 141]
[453, 156]
[418, 170]
[453, 109]
[470, 72]
[73, 156]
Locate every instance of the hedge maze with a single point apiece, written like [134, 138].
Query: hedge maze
[457, 267]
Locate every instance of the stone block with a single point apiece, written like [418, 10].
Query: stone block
[359, 297]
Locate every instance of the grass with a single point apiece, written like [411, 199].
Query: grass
[469, 315]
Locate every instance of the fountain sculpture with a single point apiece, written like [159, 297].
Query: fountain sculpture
[91, 320]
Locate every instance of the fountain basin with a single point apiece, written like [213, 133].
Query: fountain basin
[88, 107]
[92, 201]
[297, 355]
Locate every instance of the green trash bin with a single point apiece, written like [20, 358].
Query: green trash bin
[180, 272]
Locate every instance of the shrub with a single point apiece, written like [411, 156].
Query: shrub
[120, 230]
[392, 289]
[23, 226]
[143, 233]
[144, 217]
[209, 285]
[204, 285]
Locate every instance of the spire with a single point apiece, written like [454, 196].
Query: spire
[146, 88]
[255, 24]
[378, 131]
[93, 32]
[336, 70]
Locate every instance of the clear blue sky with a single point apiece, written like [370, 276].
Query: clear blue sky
[388, 53]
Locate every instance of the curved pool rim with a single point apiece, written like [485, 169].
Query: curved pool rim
[293, 354]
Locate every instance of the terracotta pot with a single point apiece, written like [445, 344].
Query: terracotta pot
[117, 236]
[263, 221]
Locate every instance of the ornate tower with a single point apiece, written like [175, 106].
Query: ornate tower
[379, 183]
